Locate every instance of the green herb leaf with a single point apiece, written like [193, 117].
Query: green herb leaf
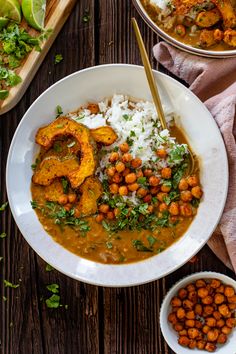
[49, 268]
[3, 206]
[109, 245]
[53, 302]
[86, 17]
[34, 204]
[54, 288]
[151, 240]
[65, 185]
[140, 246]
[8, 284]
[3, 235]
[59, 111]
[4, 94]
[58, 58]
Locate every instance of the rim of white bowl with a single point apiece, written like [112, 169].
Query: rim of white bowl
[182, 46]
[165, 306]
[71, 274]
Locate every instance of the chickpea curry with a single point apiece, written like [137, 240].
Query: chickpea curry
[110, 185]
[206, 24]
[203, 314]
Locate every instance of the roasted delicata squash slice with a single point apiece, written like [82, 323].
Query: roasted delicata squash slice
[90, 191]
[64, 126]
[104, 135]
[227, 11]
[54, 167]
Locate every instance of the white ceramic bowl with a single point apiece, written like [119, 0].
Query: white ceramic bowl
[178, 44]
[95, 84]
[170, 334]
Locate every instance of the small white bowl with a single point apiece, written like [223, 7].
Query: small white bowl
[170, 334]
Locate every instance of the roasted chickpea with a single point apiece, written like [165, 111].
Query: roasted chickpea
[165, 188]
[141, 192]
[202, 292]
[224, 310]
[222, 338]
[182, 293]
[117, 178]
[178, 326]
[124, 147]
[198, 309]
[110, 215]
[154, 190]
[162, 153]
[193, 333]
[198, 324]
[176, 302]
[126, 157]
[226, 330]
[99, 218]
[180, 30]
[189, 323]
[193, 181]
[154, 181]
[186, 210]
[190, 315]
[114, 188]
[63, 199]
[231, 322]
[200, 283]
[192, 296]
[150, 208]
[215, 283]
[187, 304]
[126, 171]
[166, 173]
[210, 347]
[196, 192]
[210, 289]
[135, 163]
[210, 321]
[120, 167]
[133, 187]
[212, 335]
[161, 196]
[220, 289]
[201, 344]
[147, 172]
[163, 207]
[123, 190]
[208, 310]
[130, 178]
[217, 315]
[208, 300]
[184, 341]
[183, 184]
[111, 171]
[232, 306]
[139, 173]
[172, 318]
[114, 156]
[186, 196]
[219, 299]
[147, 198]
[180, 313]
[220, 323]
[192, 344]
[232, 299]
[205, 329]
[72, 198]
[229, 291]
[174, 208]
[190, 287]
[183, 332]
[104, 208]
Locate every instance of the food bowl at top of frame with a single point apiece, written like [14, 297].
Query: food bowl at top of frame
[170, 334]
[95, 84]
[177, 43]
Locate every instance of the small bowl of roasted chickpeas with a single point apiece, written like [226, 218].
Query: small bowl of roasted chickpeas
[199, 313]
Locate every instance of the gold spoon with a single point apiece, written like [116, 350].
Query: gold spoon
[153, 86]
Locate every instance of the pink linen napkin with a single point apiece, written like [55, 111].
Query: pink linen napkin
[214, 82]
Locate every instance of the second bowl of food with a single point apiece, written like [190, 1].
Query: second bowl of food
[105, 195]
[201, 27]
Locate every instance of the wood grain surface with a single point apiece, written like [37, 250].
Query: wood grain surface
[98, 320]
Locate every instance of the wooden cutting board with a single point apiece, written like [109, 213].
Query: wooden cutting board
[56, 14]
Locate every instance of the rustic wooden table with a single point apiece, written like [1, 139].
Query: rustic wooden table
[97, 320]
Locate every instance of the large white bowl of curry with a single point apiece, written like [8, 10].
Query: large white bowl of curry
[90, 254]
[200, 27]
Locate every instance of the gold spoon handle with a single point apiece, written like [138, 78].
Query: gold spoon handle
[149, 74]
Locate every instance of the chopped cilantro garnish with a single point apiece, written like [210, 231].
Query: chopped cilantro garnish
[129, 141]
[4, 94]
[53, 302]
[59, 111]
[54, 288]
[3, 206]
[57, 147]
[140, 246]
[109, 245]
[49, 268]
[151, 240]
[65, 185]
[8, 284]
[58, 58]
[3, 235]
[132, 133]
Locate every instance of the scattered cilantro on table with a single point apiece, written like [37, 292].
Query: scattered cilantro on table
[8, 284]
[58, 58]
[3, 235]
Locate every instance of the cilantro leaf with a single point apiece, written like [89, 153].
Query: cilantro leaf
[8, 284]
[3, 206]
[54, 288]
[53, 302]
[58, 58]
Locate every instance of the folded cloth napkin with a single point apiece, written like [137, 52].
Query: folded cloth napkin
[214, 82]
